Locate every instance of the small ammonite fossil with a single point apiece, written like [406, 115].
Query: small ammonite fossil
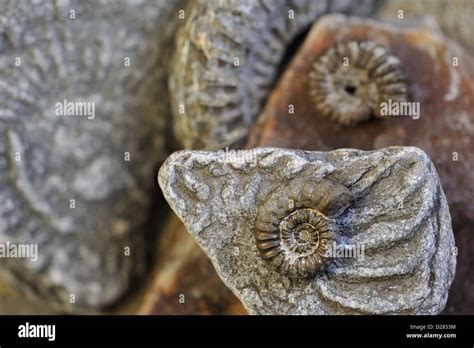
[294, 229]
[351, 80]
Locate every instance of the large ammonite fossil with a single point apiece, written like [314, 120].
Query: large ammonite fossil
[228, 55]
[67, 186]
[294, 229]
[351, 80]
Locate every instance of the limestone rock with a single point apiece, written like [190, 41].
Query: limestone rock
[386, 204]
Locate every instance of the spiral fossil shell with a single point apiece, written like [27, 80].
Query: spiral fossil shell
[292, 230]
[351, 80]
[300, 247]
[227, 58]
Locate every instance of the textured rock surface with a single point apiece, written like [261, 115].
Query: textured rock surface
[454, 16]
[216, 98]
[399, 214]
[48, 54]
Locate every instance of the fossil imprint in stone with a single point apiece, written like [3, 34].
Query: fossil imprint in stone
[294, 228]
[228, 56]
[351, 80]
[64, 182]
[287, 203]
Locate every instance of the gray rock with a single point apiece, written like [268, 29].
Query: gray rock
[229, 54]
[66, 183]
[387, 205]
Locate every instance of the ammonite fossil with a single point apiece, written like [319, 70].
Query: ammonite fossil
[388, 205]
[227, 58]
[350, 81]
[66, 185]
[294, 228]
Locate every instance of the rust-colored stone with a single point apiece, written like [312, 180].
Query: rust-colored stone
[184, 280]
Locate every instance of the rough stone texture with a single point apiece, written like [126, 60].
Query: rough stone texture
[444, 130]
[454, 16]
[399, 214]
[81, 59]
[221, 99]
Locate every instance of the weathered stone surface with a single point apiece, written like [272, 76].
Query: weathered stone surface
[228, 55]
[79, 51]
[398, 212]
[454, 16]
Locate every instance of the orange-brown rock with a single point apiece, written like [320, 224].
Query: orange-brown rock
[184, 280]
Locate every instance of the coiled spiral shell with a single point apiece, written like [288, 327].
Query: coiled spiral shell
[294, 228]
[351, 80]
[228, 55]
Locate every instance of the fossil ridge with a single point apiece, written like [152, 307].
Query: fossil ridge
[398, 214]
